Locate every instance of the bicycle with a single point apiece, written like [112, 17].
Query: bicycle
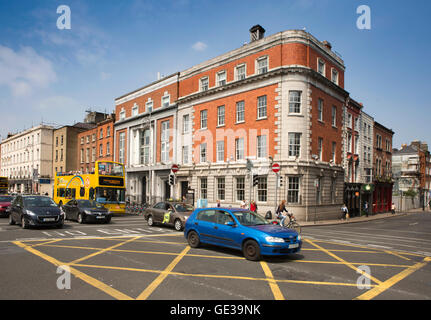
[292, 224]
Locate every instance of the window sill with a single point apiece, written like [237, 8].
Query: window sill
[264, 118]
[221, 126]
[239, 122]
[294, 114]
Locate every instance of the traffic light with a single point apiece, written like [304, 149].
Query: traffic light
[280, 181]
[171, 179]
[255, 180]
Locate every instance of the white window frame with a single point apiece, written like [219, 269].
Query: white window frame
[221, 117]
[294, 149]
[164, 141]
[334, 116]
[122, 114]
[239, 149]
[241, 76]
[320, 62]
[333, 151]
[164, 104]
[262, 107]
[185, 154]
[204, 120]
[203, 87]
[144, 141]
[203, 152]
[149, 106]
[186, 123]
[221, 78]
[135, 110]
[262, 147]
[220, 151]
[295, 101]
[121, 146]
[336, 73]
[262, 69]
[320, 103]
[320, 148]
[240, 112]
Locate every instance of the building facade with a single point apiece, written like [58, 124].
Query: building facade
[382, 170]
[27, 160]
[277, 99]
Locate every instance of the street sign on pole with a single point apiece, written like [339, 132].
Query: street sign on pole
[174, 168]
[276, 167]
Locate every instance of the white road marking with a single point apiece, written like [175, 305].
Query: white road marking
[412, 224]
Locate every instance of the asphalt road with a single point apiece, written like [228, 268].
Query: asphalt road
[129, 260]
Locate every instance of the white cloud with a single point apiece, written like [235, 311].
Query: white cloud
[199, 46]
[24, 70]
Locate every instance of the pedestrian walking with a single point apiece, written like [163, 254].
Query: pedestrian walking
[243, 204]
[218, 203]
[345, 212]
[393, 208]
[253, 206]
[366, 208]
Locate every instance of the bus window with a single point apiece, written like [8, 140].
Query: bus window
[70, 193]
[82, 192]
[61, 192]
[91, 194]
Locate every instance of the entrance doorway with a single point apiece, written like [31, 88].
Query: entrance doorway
[184, 189]
[167, 189]
[144, 190]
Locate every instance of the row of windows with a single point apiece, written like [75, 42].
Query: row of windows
[293, 192]
[93, 136]
[165, 102]
[321, 68]
[20, 144]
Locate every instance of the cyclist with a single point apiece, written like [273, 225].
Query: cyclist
[280, 212]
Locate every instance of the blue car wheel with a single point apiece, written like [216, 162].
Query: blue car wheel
[193, 239]
[251, 250]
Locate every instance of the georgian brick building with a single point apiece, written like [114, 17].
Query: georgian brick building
[276, 99]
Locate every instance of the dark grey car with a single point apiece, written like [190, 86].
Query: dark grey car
[86, 211]
[169, 213]
[34, 210]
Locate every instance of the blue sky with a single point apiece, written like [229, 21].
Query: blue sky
[114, 47]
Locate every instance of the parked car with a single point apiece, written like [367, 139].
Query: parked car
[85, 211]
[170, 213]
[35, 210]
[5, 202]
[240, 229]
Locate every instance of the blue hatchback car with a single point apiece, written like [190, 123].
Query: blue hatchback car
[240, 229]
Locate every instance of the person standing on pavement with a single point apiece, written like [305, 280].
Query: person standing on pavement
[344, 211]
[243, 204]
[218, 203]
[393, 208]
[366, 208]
[253, 206]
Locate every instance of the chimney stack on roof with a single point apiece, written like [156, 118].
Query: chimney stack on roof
[327, 44]
[257, 32]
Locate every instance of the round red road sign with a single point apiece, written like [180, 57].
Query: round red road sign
[174, 168]
[275, 167]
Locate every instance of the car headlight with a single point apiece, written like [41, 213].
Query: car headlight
[186, 217]
[30, 213]
[87, 211]
[274, 239]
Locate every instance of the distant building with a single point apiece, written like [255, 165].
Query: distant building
[26, 159]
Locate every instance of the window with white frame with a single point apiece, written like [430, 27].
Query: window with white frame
[357, 123]
[204, 188]
[240, 188]
[334, 76]
[293, 190]
[165, 141]
[185, 154]
[221, 188]
[108, 148]
[204, 84]
[261, 146]
[321, 66]
[320, 110]
[333, 151]
[93, 154]
[320, 148]
[101, 150]
[295, 101]
[144, 156]
[334, 116]
[149, 106]
[166, 100]
[356, 144]
[262, 65]
[239, 148]
[333, 189]
[262, 189]
[108, 131]
[203, 152]
[240, 72]
[261, 107]
[204, 114]
[122, 114]
[221, 78]
[186, 123]
[135, 110]
[101, 134]
[294, 144]
[349, 142]
[220, 151]
[220, 116]
[240, 108]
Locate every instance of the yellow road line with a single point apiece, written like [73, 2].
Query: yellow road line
[345, 262]
[271, 281]
[397, 255]
[90, 280]
[390, 282]
[150, 289]
[119, 237]
[104, 250]
[217, 276]
[339, 250]
[44, 243]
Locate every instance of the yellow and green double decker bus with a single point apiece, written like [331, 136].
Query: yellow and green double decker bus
[105, 185]
[4, 185]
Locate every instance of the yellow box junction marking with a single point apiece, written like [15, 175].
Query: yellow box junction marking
[272, 283]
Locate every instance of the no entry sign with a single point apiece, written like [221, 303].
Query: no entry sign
[275, 167]
[174, 168]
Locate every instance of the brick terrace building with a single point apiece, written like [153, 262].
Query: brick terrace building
[382, 194]
[277, 99]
